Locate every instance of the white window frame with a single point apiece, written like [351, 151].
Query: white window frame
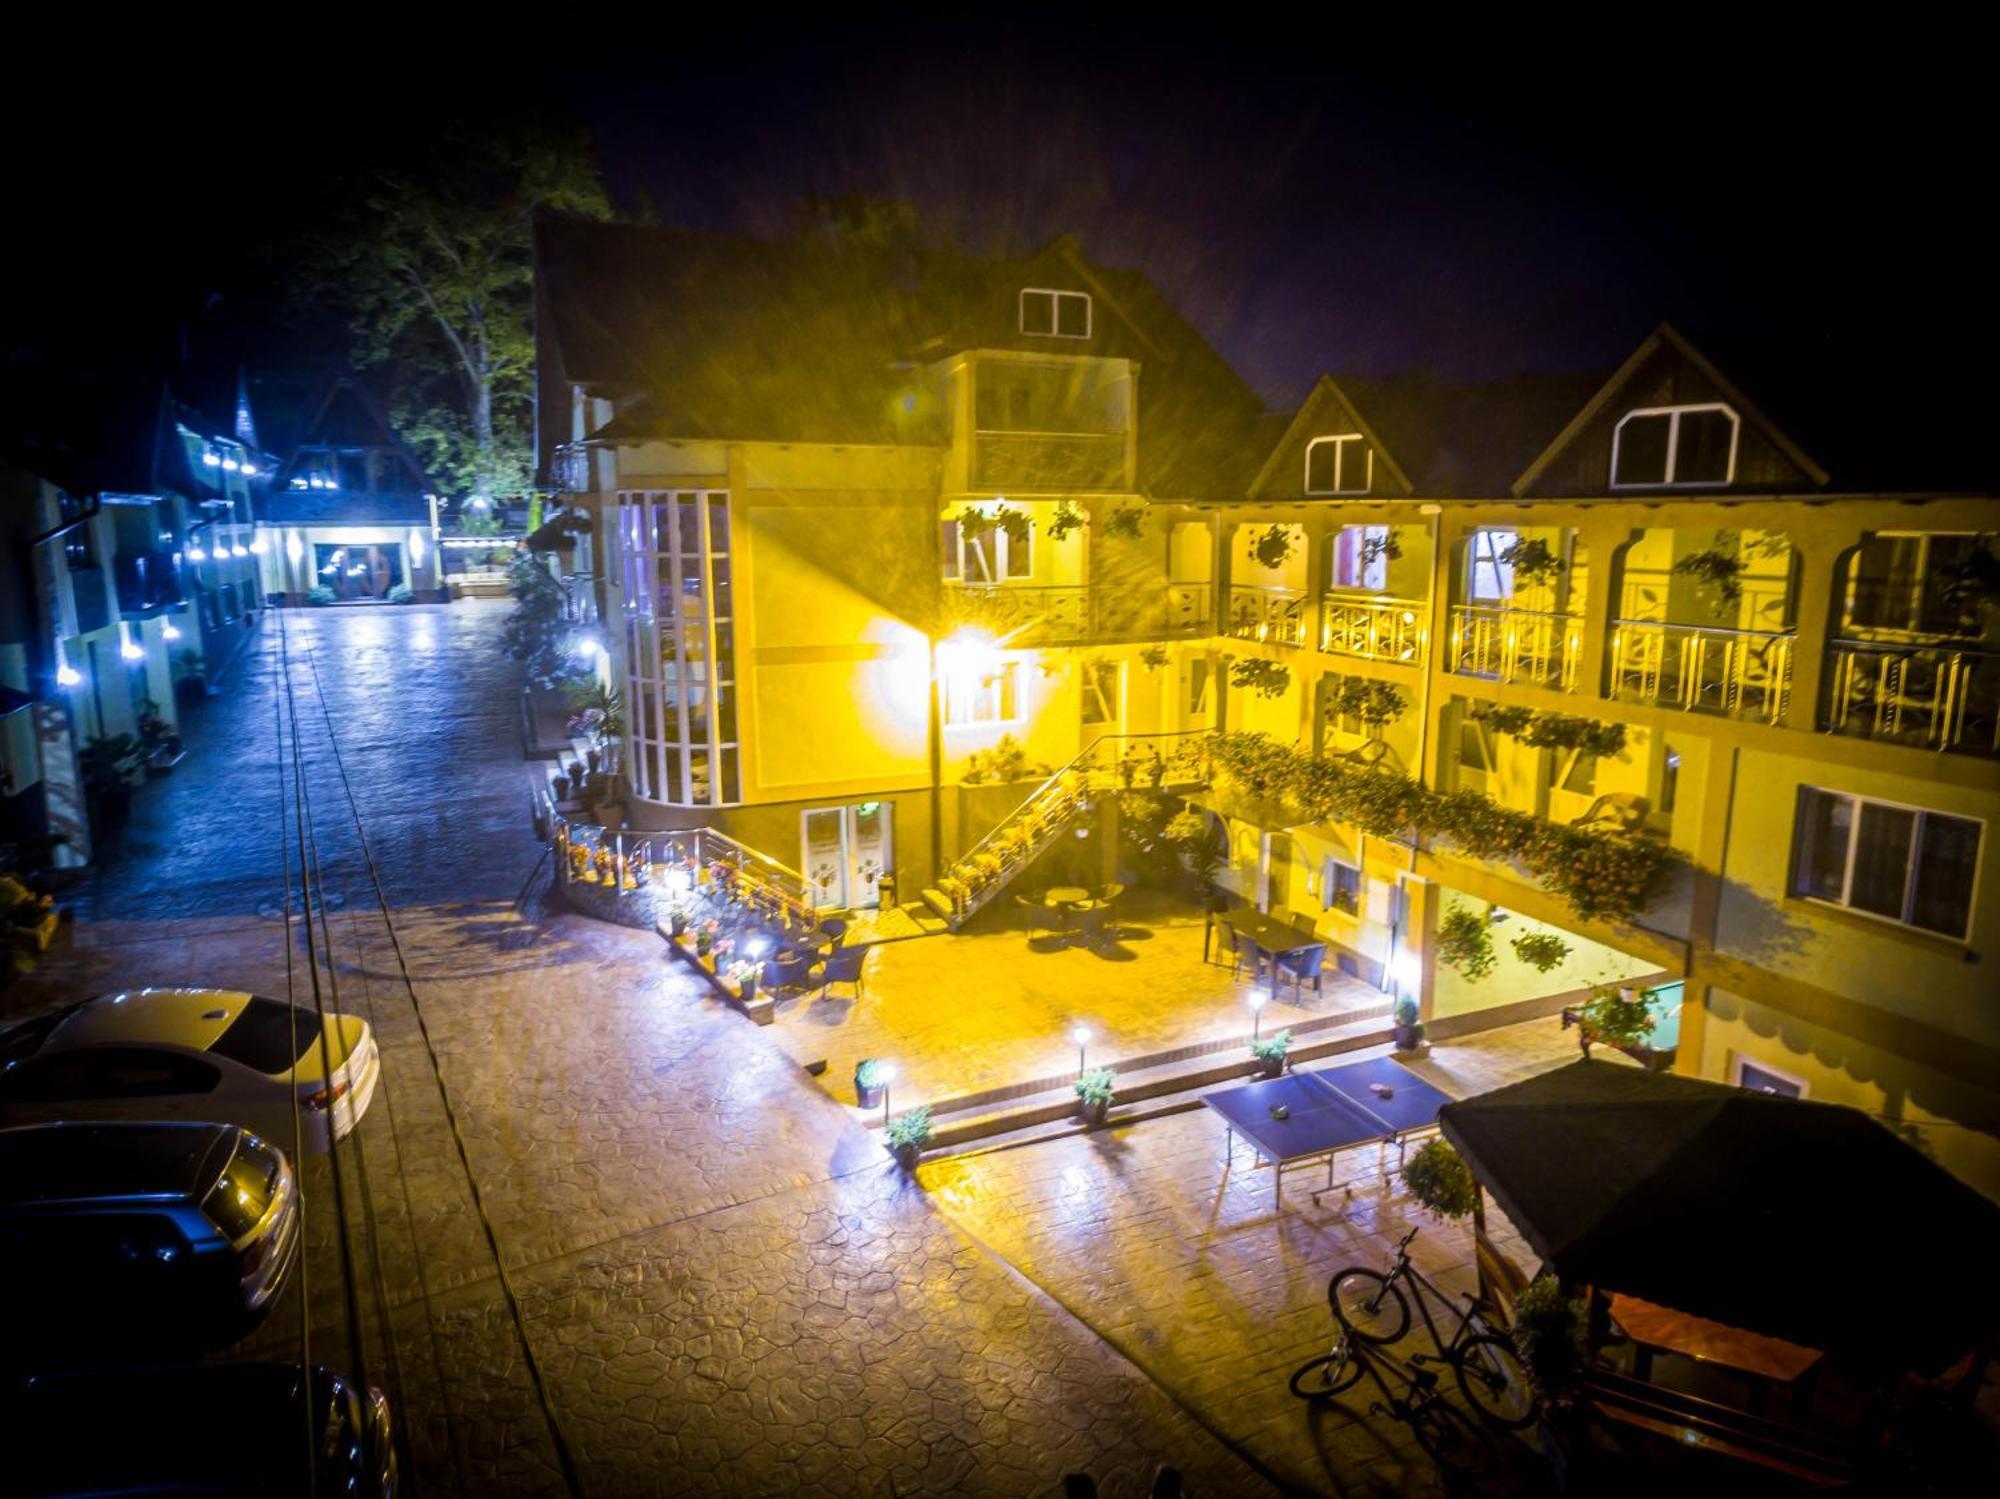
[987, 704]
[1055, 311]
[1001, 558]
[1674, 414]
[1340, 464]
[1374, 572]
[1327, 885]
[1902, 922]
[1739, 1060]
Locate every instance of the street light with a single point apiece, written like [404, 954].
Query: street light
[1081, 1036]
[887, 1072]
[1257, 1015]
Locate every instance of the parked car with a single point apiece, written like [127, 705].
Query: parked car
[209, 1429]
[214, 1054]
[142, 1231]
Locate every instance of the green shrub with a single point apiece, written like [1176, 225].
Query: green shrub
[1272, 1048]
[320, 594]
[1617, 1020]
[1439, 1180]
[1465, 942]
[868, 1074]
[1549, 1333]
[1095, 1085]
[1406, 1012]
[402, 593]
[913, 1128]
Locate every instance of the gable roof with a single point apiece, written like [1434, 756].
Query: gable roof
[1665, 338]
[1310, 422]
[347, 415]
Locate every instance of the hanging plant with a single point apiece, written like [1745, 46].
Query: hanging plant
[1465, 942]
[1377, 548]
[1544, 730]
[1125, 521]
[1374, 703]
[1717, 574]
[1533, 562]
[1265, 678]
[1616, 1016]
[1273, 546]
[1440, 1181]
[1541, 951]
[1153, 657]
[975, 522]
[1067, 519]
[1549, 1333]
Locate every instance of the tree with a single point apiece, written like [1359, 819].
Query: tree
[535, 633]
[433, 268]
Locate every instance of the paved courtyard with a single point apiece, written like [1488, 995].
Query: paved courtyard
[721, 1282]
[963, 1014]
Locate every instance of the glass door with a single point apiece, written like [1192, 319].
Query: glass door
[847, 851]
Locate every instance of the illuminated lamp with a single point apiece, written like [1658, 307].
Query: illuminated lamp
[195, 553]
[294, 548]
[416, 547]
[257, 543]
[170, 630]
[127, 647]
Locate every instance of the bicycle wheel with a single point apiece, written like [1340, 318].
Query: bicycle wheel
[1369, 1305]
[1495, 1384]
[1326, 1377]
[1455, 1441]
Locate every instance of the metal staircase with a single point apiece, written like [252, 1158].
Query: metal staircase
[1174, 763]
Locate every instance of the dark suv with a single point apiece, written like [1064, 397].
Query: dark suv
[138, 1230]
[209, 1429]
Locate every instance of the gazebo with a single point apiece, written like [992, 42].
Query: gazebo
[1751, 1234]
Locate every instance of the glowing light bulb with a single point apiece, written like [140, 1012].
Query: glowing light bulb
[257, 544]
[239, 550]
[195, 553]
[170, 632]
[68, 675]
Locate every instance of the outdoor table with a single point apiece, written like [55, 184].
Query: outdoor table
[1276, 938]
[1065, 901]
[1326, 1112]
[1766, 1359]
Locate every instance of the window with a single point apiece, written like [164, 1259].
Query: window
[1490, 575]
[1899, 582]
[994, 698]
[1573, 770]
[1100, 692]
[1339, 465]
[1358, 558]
[1341, 888]
[948, 549]
[1759, 1078]
[1197, 686]
[1899, 863]
[269, 1035]
[1055, 314]
[101, 1072]
[1473, 751]
[1671, 447]
[987, 556]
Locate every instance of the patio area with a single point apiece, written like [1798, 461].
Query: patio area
[971, 1013]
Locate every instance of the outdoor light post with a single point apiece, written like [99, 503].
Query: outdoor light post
[1081, 1036]
[1256, 1016]
[888, 1075]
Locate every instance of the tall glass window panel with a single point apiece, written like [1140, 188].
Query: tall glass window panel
[1946, 868]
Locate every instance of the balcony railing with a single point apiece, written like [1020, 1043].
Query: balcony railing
[1276, 616]
[1379, 629]
[1940, 697]
[1516, 645]
[1734, 673]
[1035, 461]
[1026, 614]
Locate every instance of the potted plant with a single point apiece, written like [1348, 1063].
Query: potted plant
[1549, 1333]
[1273, 546]
[1125, 521]
[1093, 1091]
[1409, 1032]
[1270, 1052]
[1465, 942]
[1616, 1016]
[869, 1083]
[1067, 519]
[1440, 1181]
[909, 1134]
[1541, 951]
[705, 935]
[743, 974]
[1153, 657]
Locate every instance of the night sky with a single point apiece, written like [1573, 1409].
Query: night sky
[1348, 202]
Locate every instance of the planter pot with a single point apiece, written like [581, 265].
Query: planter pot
[1407, 1037]
[677, 926]
[593, 758]
[1272, 1066]
[1094, 1113]
[907, 1156]
[747, 990]
[868, 1098]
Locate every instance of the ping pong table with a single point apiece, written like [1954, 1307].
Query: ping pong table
[1325, 1113]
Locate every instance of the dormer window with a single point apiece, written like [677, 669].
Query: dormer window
[1339, 465]
[1674, 447]
[1055, 314]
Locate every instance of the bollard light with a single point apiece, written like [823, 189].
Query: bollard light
[887, 1072]
[1256, 1016]
[1081, 1036]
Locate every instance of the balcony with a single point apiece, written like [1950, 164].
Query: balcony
[149, 582]
[1372, 627]
[1275, 616]
[1743, 674]
[1039, 462]
[1935, 696]
[1516, 645]
[1023, 614]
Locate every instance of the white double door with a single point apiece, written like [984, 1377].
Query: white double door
[847, 851]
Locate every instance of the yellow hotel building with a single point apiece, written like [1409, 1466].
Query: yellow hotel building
[862, 511]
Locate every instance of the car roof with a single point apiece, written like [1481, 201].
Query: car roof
[112, 1160]
[160, 1017]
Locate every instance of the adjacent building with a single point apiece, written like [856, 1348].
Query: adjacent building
[868, 518]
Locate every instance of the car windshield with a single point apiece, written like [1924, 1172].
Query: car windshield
[242, 1194]
[268, 1036]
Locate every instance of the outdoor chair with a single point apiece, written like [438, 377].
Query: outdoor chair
[844, 965]
[1302, 966]
[1090, 922]
[789, 972]
[834, 927]
[1032, 911]
[1109, 893]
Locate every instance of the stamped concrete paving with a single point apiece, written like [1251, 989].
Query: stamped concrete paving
[725, 1286]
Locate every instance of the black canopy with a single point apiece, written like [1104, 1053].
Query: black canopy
[1804, 1221]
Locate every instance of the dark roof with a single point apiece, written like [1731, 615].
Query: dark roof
[336, 507]
[1459, 439]
[1761, 1212]
[817, 339]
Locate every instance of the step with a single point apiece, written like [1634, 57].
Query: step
[936, 901]
[1143, 1092]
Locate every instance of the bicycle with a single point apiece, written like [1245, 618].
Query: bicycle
[1452, 1439]
[1373, 1307]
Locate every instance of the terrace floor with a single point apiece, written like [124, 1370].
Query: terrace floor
[965, 1014]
